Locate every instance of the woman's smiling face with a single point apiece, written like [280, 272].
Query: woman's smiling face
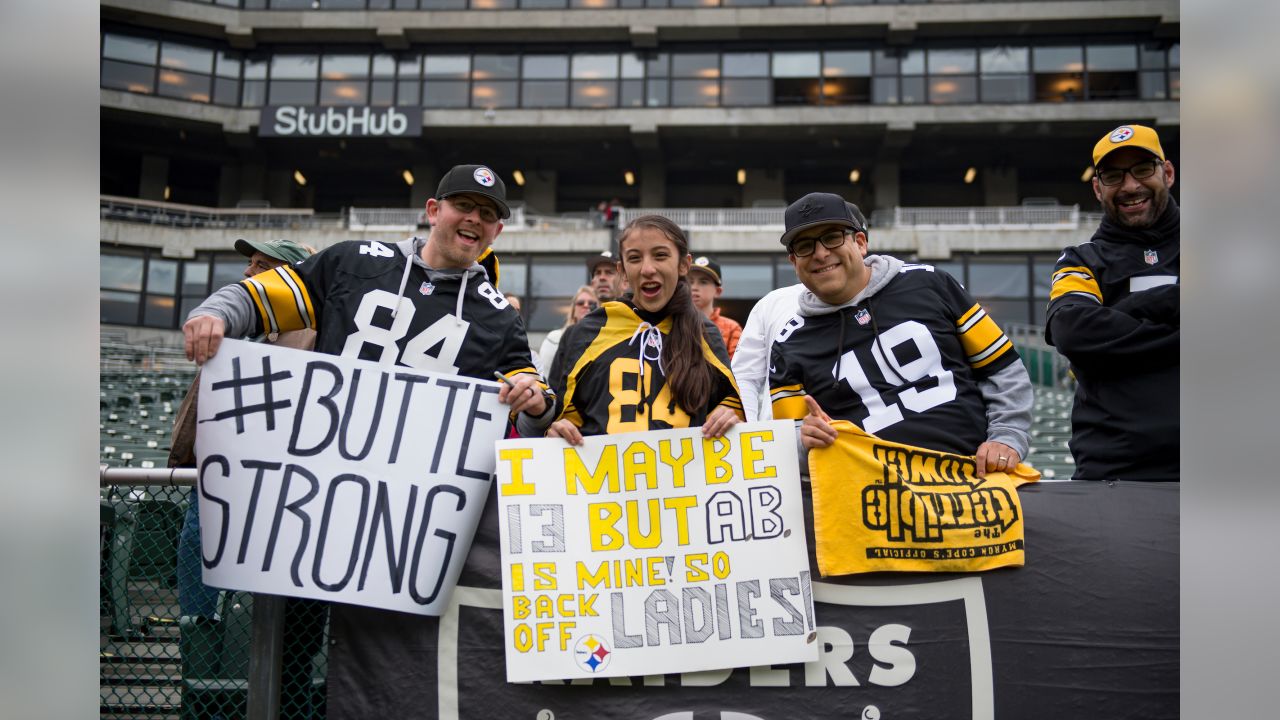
[653, 265]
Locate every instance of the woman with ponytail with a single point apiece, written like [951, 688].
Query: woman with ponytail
[650, 361]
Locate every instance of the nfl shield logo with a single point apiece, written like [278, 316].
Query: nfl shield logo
[1150, 257]
[863, 317]
[427, 288]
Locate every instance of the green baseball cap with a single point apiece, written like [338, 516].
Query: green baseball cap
[283, 250]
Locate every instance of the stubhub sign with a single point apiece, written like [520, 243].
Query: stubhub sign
[355, 121]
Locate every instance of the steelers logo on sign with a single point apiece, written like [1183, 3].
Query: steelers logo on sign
[484, 176]
[592, 654]
[1122, 133]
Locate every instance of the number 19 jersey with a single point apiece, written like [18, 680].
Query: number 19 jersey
[903, 364]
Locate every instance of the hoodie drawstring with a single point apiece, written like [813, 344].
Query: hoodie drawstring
[410, 253]
[457, 313]
[876, 330]
[650, 336]
[404, 280]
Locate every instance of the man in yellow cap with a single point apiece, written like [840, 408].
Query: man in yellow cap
[1114, 313]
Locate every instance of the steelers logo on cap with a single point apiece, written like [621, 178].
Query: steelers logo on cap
[484, 176]
[702, 261]
[1122, 133]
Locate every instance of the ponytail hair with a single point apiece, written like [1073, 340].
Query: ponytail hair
[688, 372]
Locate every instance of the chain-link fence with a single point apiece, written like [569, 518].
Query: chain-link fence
[169, 647]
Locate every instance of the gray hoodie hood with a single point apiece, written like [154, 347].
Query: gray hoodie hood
[411, 248]
[884, 268]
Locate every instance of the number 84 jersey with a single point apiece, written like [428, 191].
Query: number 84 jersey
[903, 362]
[379, 302]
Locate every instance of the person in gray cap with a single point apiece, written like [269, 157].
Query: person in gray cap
[916, 359]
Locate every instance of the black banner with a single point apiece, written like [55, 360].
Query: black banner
[1087, 628]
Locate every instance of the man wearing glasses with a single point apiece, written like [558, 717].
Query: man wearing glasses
[425, 303]
[901, 350]
[1114, 313]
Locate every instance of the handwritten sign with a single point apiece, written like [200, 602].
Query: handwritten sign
[653, 552]
[339, 479]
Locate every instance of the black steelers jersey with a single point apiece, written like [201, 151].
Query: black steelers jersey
[348, 294]
[1114, 313]
[903, 364]
[616, 383]
[1106, 273]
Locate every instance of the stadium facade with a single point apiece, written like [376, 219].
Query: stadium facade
[962, 128]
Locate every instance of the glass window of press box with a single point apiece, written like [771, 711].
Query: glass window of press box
[714, 77]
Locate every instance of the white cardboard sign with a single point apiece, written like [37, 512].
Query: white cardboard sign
[655, 552]
[339, 479]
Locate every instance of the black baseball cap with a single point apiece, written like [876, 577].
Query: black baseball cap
[477, 179]
[708, 266]
[818, 209]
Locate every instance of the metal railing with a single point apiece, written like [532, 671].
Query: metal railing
[1028, 217]
[712, 218]
[523, 219]
[197, 216]
[1046, 366]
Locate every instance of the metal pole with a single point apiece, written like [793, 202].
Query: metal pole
[173, 477]
[266, 657]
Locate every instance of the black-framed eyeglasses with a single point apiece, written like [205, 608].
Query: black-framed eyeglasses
[465, 206]
[1139, 171]
[804, 247]
[589, 304]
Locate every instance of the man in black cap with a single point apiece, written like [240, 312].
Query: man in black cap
[603, 276]
[1114, 312]
[423, 303]
[915, 359]
[608, 284]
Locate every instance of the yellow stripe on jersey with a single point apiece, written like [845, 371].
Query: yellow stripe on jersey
[530, 371]
[982, 340]
[281, 300]
[615, 331]
[788, 402]
[1075, 280]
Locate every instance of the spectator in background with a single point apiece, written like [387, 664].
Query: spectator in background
[706, 285]
[194, 597]
[584, 301]
[303, 619]
[915, 360]
[607, 284]
[1114, 313]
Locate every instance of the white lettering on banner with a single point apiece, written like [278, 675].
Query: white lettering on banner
[653, 552]
[882, 653]
[339, 479]
[288, 120]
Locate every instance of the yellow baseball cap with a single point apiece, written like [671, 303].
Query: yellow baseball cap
[1125, 136]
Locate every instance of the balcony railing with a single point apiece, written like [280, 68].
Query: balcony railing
[523, 219]
[197, 216]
